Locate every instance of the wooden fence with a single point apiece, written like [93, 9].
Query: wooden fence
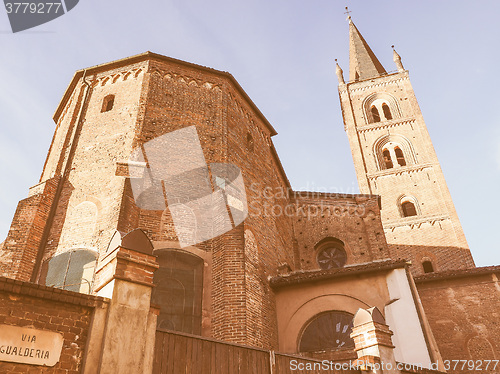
[178, 353]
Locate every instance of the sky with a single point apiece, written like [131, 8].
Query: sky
[282, 53]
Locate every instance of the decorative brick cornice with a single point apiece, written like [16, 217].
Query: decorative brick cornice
[377, 82]
[126, 264]
[400, 170]
[185, 79]
[117, 76]
[150, 56]
[414, 221]
[301, 277]
[386, 124]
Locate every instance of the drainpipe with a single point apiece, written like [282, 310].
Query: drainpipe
[60, 183]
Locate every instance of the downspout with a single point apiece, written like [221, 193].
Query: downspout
[60, 183]
[430, 342]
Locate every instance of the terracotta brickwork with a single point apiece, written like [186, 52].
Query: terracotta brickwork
[368, 335]
[154, 95]
[109, 110]
[20, 249]
[462, 309]
[123, 263]
[354, 219]
[43, 308]
[180, 95]
[394, 157]
[88, 209]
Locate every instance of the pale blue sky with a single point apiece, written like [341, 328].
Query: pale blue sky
[282, 53]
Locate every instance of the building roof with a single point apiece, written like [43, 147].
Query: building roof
[363, 63]
[306, 276]
[155, 56]
[460, 273]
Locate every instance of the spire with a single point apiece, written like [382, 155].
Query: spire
[363, 63]
[339, 72]
[397, 60]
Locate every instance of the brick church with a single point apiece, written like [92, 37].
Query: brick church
[107, 277]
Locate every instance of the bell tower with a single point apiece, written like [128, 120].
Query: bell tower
[394, 158]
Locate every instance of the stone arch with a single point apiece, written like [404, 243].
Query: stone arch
[104, 81]
[404, 198]
[107, 103]
[179, 290]
[137, 73]
[329, 330]
[377, 100]
[393, 141]
[427, 257]
[294, 326]
[156, 74]
[71, 270]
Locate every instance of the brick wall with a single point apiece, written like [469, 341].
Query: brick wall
[89, 206]
[353, 219]
[20, 248]
[463, 310]
[153, 96]
[50, 309]
[179, 96]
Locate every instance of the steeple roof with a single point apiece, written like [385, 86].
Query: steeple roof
[363, 63]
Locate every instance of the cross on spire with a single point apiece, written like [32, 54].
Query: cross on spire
[347, 11]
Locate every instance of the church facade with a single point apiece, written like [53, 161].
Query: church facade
[381, 276]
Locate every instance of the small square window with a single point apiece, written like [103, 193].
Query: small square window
[107, 103]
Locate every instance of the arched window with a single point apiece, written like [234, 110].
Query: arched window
[408, 209]
[386, 105]
[375, 114]
[428, 268]
[394, 148]
[327, 331]
[387, 159]
[179, 291]
[331, 254]
[73, 271]
[387, 111]
[107, 103]
[399, 156]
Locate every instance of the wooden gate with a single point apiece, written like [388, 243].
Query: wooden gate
[179, 353]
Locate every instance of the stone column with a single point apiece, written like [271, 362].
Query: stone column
[394, 158]
[124, 337]
[373, 343]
